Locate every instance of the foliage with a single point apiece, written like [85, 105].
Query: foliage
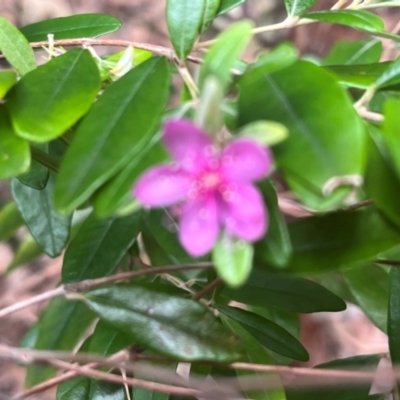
[217, 270]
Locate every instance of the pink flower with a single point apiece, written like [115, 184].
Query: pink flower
[214, 188]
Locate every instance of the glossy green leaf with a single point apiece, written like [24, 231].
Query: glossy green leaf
[297, 7]
[393, 319]
[14, 151]
[8, 78]
[391, 76]
[99, 246]
[370, 286]
[232, 259]
[72, 27]
[381, 179]
[222, 55]
[227, 5]
[67, 321]
[164, 323]
[10, 220]
[49, 100]
[343, 389]
[106, 140]
[255, 354]
[184, 21]
[287, 293]
[49, 229]
[358, 19]
[338, 240]
[117, 191]
[267, 333]
[364, 51]
[37, 175]
[210, 11]
[280, 96]
[275, 247]
[16, 48]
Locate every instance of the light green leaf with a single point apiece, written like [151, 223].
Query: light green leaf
[72, 27]
[391, 76]
[16, 48]
[267, 133]
[227, 5]
[296, 7]
[105, 140]
[7, 80]
[163, 323]
[391, 129]
[49, 229]
[232, 259]
[50, 99]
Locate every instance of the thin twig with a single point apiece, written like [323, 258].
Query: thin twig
[207, 289]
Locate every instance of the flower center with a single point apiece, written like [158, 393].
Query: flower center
[210, 180]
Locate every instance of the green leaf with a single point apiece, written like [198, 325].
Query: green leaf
[72, 27]
[184, 21]
[164, 323]
[275, 247]
[222, 55]
[364, 51]
[267, 333]
[16, 48]
[381, 179]
[266, 133]
[296, 7]
[393, 327]
[391, 76]
[227, 5]
[345, 389]
[340, 239]
[106, 133]
[232, 259]
[8, 78]
[357, 19]
[26, 251]
[293, 96]
[38, 174]
[14, 151]
[49, 229]
[117, 191]
[209, 13]
[370, 286]
[10, 220]
[286, 293]
[98, 247]
[50, 99]
[67, 321]
[390, 130]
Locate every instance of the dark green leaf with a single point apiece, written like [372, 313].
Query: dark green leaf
[293, 96]
[67, 321]
[393, 327]
[164, 323]
[38, 174]
[209, 13]
[50, 99]
[275, 247]
[267, 333]
[10, 220]
[14, 151]
[227, 5]
[71, 27]
[370, 286]
[297, 7]
[16, 48]
[341, 239]
[364, 51]
[136, 97]
[7, 80]
[345, 389]
[184, 21]
[222, 55]
[287, 293]
[358, 19]
[142, 394]
[49, 229]
[99, 246]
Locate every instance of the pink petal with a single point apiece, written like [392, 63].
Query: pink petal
[243, 212]
[199, 226]
[245, 160]
[188, 144]
[162, 186]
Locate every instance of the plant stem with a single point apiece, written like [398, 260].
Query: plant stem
[45, 159]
